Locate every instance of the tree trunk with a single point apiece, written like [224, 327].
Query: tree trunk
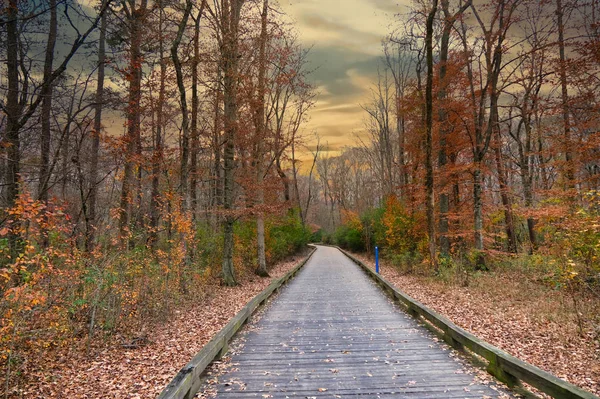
[157, 156]
[526, 159]
[93, 179]
[430, 201]
[568, 169]
[401, 128]
[217, 183]
[504, 195]
[13, 111]
[46, 110]
[494, 48]
[133, 119]
[185, 134]
[295, 178]
[445, 127]
[195, 104]
[284, 179]
[260, 137]
[478, 206]
[230, 23]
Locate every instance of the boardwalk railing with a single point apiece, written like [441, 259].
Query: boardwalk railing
[187, 382]
[503, 366]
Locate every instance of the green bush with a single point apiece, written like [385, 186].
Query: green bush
[405, 261]
[285, 237]
[349, 238]
[209, 247]
[328, 239]
[317, 236]
[373, 228]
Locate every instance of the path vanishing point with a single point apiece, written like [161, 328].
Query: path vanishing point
[332, 333]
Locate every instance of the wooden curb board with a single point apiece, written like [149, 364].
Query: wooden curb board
[187, 382]
[501, 365]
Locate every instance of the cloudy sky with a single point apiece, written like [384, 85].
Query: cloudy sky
[345, 36]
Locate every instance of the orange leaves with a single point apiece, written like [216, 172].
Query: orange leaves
[34, 279]
[402, 230]
[351, 219]
[4, 274]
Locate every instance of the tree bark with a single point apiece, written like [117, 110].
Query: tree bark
[13, 113]
[93, 179]
[194, 126]
[568, 169]
[445, 128]
[135, 20]
[157, 156]
[478, 206]
[230, 23]
[260, 137]
[47, 108]
[504, 194]
[217, 183]
[295, 182]
[430, 201]
[185, 124]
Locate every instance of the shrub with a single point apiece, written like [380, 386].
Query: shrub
[403, 231]
[328, 239]
[317, 236]
[373, 228]
[285, 237]
[350, 234]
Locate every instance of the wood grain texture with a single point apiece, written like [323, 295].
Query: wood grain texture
[333, 333]
[502, 365]
[187, 382]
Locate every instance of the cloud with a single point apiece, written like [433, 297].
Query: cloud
[335, 69]
[392, 7]
[345, 36]
[340, 109]
[333, 30]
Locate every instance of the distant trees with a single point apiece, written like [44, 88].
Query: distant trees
[207, 44]
[160, 135]
[500, 101]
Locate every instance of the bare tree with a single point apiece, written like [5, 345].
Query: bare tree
[430, 201]
[230, 21]
[135, 19]
[260, 137]
[91, 224]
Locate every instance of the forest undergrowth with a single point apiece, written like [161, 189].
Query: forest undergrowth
[140, 366]
[74, 321]
[511, 307]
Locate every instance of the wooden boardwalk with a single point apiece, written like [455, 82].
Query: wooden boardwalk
[332, 333]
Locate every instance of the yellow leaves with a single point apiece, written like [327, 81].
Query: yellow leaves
[5, 274]
[352, 220]
[401, 228]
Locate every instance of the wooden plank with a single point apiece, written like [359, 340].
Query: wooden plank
[501, 364]
[332, 329]
[187, 382]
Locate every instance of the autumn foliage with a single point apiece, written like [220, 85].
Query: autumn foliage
[146, 161]
[512, 147]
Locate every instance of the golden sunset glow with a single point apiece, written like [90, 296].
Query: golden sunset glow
[345, 40]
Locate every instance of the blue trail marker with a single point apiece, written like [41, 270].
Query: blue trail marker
[377, 260]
